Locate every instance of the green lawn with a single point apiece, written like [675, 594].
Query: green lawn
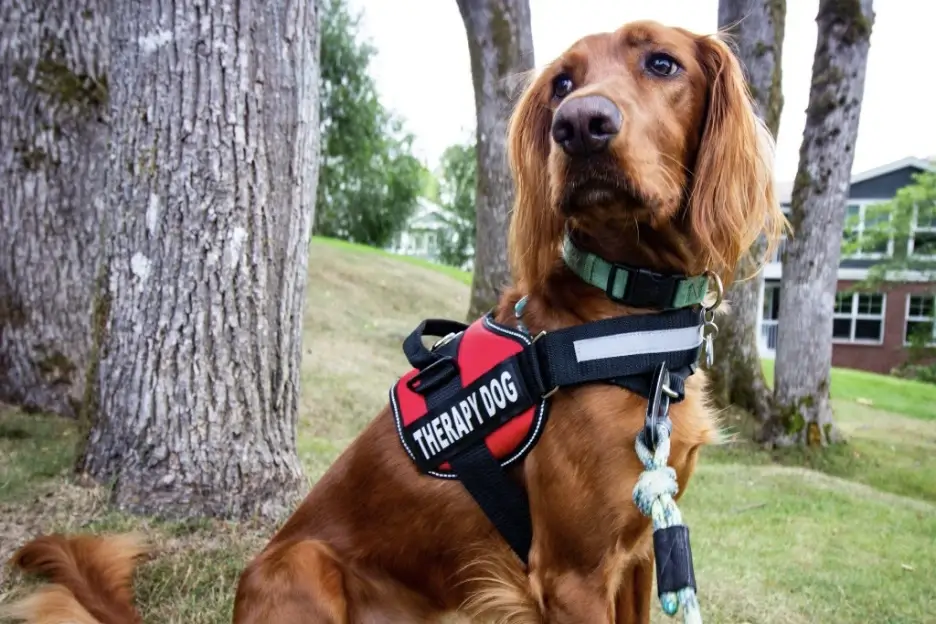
[462, 276]
[891, 394]
[845, 536]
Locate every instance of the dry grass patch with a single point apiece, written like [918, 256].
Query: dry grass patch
[361, 305]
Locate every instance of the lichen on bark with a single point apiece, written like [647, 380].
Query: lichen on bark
[756, 28]
[500, 45]
[53, 91]
[194, 381]
[58, 80]
[100, 313]
[810, 267]
[850, 16]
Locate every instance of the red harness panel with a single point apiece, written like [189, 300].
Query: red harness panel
[480, 349]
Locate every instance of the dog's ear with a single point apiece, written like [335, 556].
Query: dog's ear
[733, 198]
[535, 226]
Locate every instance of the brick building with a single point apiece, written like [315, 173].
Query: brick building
[870, 329]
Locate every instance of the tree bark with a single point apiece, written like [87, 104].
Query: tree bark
[500, 42]
[804, 344]
[212, 184]
[53, 141]
[737, 377]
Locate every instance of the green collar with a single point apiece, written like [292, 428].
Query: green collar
[638, 288]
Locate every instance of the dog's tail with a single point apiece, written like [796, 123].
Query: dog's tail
[90, 579]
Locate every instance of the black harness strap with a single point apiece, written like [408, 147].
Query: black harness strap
[642, 385]
[625, 351]
[503, 501]
[416, 352]
[561, 365]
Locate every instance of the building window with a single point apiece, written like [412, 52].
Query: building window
[858, 317]
[920, 317]
[860, 221]
[922, 239]
[771, 311]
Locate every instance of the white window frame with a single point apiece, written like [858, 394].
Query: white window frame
[777, 256]
[918, 319]
[913, 230]
[853, 316]
[863, 205]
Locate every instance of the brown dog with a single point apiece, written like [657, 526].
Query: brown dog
[644, 145]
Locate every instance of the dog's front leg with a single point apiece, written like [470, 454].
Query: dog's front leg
[635, 594]
[573, 598]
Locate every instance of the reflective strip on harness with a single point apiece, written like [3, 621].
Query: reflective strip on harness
[492, 402]
[636, 343]
[474, 403]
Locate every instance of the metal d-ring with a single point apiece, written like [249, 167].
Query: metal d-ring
[719, 292]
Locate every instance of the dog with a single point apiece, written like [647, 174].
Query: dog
[640, 147]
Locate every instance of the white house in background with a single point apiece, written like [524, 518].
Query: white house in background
[420, 236]
[870, 328]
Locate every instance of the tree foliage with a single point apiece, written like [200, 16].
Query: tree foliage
[458, 181]
[369, 178]
[906, 224]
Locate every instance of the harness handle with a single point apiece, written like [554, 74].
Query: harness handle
[416, 352]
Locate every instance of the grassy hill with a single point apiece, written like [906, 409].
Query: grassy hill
[779, 538]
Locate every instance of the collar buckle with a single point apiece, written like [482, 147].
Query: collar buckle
[644, 289]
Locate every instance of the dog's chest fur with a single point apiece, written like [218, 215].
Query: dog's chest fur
[589, 537]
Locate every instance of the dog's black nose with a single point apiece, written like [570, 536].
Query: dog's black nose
[585, 125]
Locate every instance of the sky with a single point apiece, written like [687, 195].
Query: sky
[423, 72]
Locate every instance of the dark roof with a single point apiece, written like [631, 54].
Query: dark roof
[785, 189]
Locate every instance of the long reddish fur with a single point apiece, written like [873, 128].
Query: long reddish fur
[375, 541]
[91, 579]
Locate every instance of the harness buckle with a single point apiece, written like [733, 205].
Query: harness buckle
[555, 389]
[609, 285]
[445, 366]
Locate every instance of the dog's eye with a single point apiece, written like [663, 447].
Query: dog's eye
[662, 64]
[562, 86]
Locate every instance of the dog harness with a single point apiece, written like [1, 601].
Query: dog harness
[477, 400]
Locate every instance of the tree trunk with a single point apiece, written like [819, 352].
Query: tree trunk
[500, 41]
[804, 343]
[737, 377]
[213, 173]
[53, 141]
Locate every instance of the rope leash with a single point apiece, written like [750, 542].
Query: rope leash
[655, 491]
[654, 496]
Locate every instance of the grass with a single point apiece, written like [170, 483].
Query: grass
[780, 545]
[890, 394]
[458, 274]
[33, 450]
[892, 453]
[846, 536]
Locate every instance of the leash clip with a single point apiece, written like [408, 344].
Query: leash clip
[658, 406]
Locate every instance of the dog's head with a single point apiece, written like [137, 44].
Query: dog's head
[649, 130]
